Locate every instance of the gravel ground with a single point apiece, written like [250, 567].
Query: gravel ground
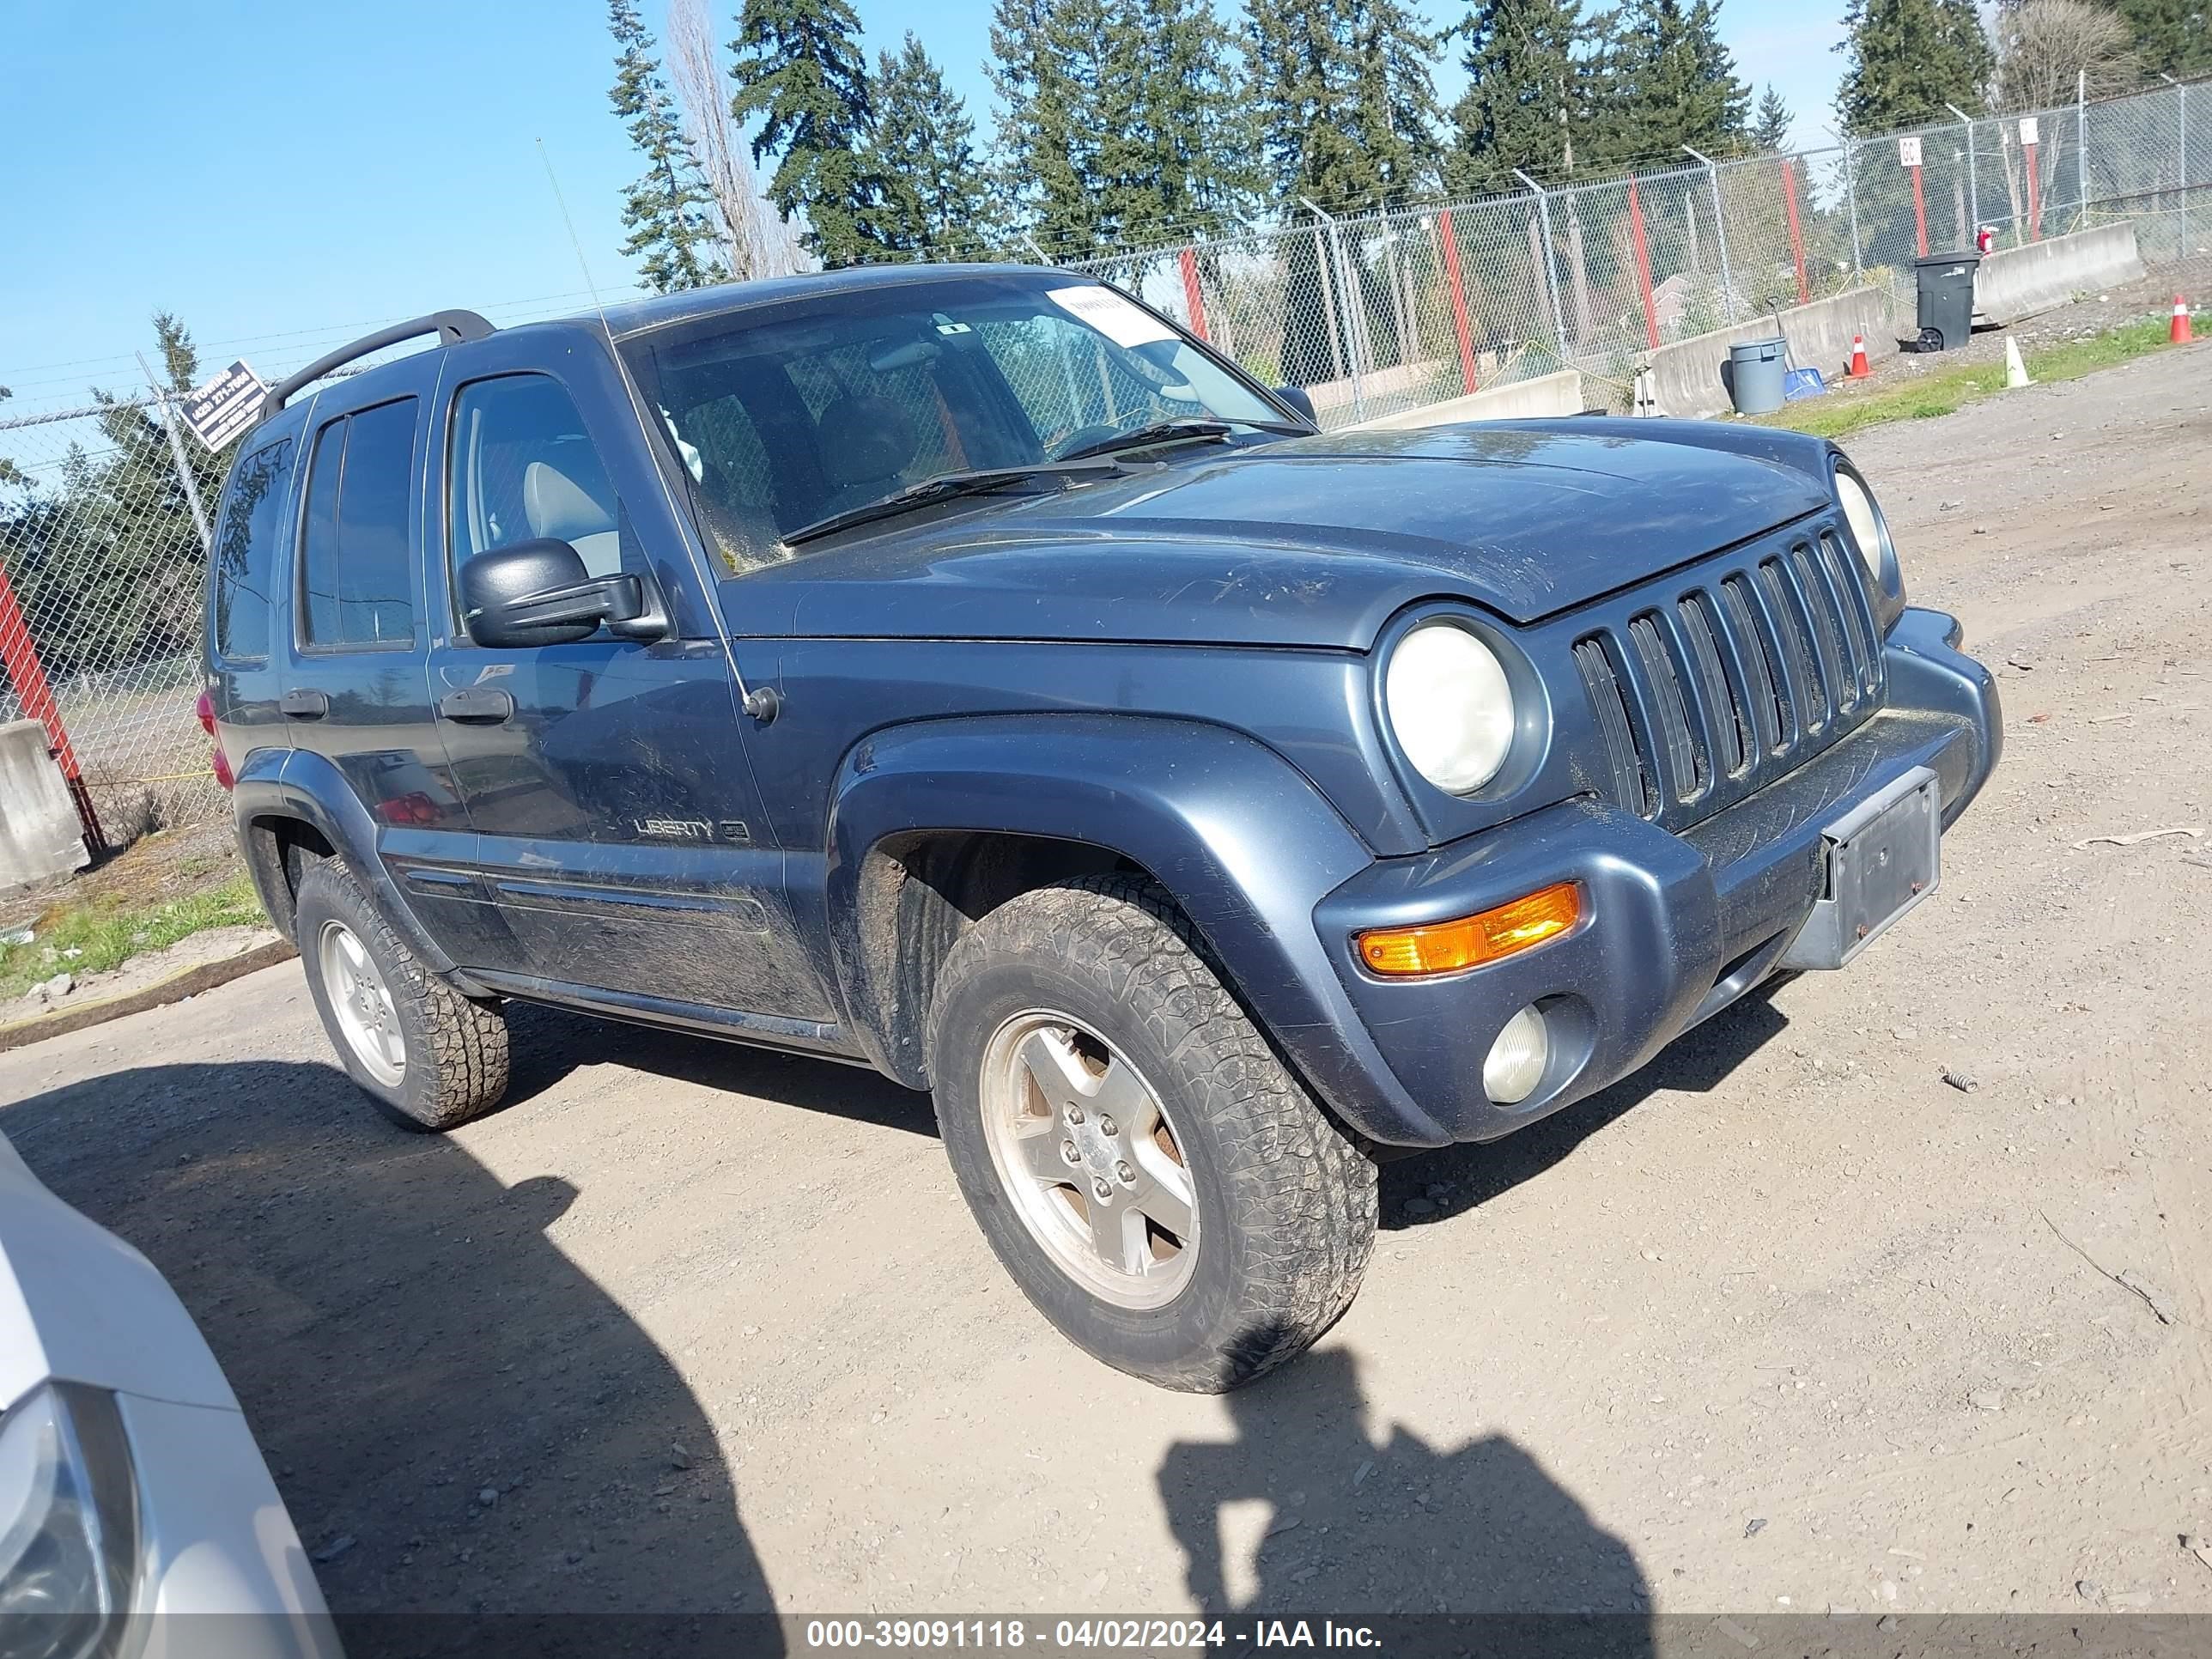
[1784, 1322]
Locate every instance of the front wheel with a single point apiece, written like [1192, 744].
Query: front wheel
[1155, 1180]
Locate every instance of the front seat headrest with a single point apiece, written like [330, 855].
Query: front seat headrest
[864, 440]
[557, 506]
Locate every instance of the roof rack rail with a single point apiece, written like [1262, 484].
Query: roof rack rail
[452, 328]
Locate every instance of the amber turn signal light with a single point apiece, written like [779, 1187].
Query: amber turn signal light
[1447, 947]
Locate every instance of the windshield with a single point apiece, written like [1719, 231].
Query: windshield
[786, 416]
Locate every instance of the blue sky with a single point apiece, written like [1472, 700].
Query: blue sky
[282, 175]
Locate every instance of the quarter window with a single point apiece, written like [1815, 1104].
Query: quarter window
[356, 564]
[244, 551]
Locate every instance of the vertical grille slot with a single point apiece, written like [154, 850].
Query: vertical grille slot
[1688, 770]
[1732, 732]
[1858, 613]
[1768, 693]
[1827, 645]
[1631, 778]
[1799, 666]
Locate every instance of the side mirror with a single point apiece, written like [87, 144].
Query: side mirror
[1297, 399]
[537, 592]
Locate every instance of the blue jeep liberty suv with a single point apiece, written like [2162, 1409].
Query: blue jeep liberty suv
[965, 672]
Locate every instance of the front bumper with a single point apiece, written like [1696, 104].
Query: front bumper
[1674, 928]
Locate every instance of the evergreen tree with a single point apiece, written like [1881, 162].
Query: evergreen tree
[667, 212]
[800, 72]
[1530, 66]
[1770, 126]
[1906, 59]
[2172, 37]
[1186, 158]
[935, 203]
[1669, 82]
[1048, 140]
[1341, 96]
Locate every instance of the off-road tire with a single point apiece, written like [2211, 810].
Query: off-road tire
[457, 1051]
[1287, 1203]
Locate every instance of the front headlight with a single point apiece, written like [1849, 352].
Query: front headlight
[69, 1526]
[1450, 706]
[1869, 531]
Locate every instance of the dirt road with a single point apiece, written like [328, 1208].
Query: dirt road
[1787, 1320]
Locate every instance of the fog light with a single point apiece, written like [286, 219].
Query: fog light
[1517, 1061]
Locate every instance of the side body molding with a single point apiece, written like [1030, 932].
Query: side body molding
[1243, 843]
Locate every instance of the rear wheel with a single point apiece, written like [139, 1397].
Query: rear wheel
[1144, 1165]
[427, 1057]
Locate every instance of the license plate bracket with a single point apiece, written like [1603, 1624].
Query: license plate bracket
[1881, 858]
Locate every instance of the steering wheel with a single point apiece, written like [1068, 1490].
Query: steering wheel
[1097, 432]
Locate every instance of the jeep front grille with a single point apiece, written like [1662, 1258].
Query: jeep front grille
[1704, 692]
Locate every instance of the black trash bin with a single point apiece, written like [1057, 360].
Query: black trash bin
[1946, 299]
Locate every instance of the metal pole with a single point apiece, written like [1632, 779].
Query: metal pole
[1851, 197]
[1973, 185]
[1351, 349]
[177, 453]
[1720, 230]
[1551, 276]
[1030, 242]
[2080, 147]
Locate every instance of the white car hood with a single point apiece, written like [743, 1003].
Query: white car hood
[78, 1302]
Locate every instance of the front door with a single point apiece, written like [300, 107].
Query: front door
[621, 846]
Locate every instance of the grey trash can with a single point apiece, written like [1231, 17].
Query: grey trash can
[1946, 299]
[1757, 371]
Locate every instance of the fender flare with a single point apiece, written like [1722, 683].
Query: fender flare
[308, 787]
[1239, 838]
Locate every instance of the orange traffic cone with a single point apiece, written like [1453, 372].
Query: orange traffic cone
[1859, 370]
[2178, 333]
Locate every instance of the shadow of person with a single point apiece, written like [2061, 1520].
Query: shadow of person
[459, 1419]
[1470, 1546]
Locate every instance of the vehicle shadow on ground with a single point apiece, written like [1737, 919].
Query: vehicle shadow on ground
[460, 1421]
[1477, 1538]
[1462, 1177]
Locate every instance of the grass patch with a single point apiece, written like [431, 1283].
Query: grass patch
[106, 933]
[1948, 389]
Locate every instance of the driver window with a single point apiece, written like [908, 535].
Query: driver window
[523, 467]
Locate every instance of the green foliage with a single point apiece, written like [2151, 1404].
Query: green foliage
[1120, 121]
[935, 202]
[2172, 37]
[1906, 59]
[1533, 69]
[1769, 124]
[800, 73]
[1345, 108]
[1668, 81]
[668, 212]
[106, 560]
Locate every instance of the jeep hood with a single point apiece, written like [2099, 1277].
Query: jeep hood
[1309, 542]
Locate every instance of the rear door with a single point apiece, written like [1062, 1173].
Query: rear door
[353, 687]
[622, 842]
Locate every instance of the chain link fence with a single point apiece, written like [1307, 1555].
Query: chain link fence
[1386, 312]
[103, 548]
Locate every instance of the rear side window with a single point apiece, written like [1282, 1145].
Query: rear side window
[246, 552]
[356, 561]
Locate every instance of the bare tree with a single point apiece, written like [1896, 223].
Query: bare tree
[2043, 44]
[759, 242]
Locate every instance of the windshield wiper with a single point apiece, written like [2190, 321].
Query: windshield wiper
[947, 484]
[1168, 432]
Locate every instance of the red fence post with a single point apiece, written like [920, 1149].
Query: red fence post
[1796, 235]
[1920, 213]
[2034, 197]
[20, 655]
[1458, 298]
[1188, 259]
[1643, 264]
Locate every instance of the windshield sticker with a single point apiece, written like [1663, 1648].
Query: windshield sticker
[1118, 319]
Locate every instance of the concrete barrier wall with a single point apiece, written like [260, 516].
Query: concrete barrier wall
[39, 836]
[1687, 374]
[2019, 282]
[1560, 393]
